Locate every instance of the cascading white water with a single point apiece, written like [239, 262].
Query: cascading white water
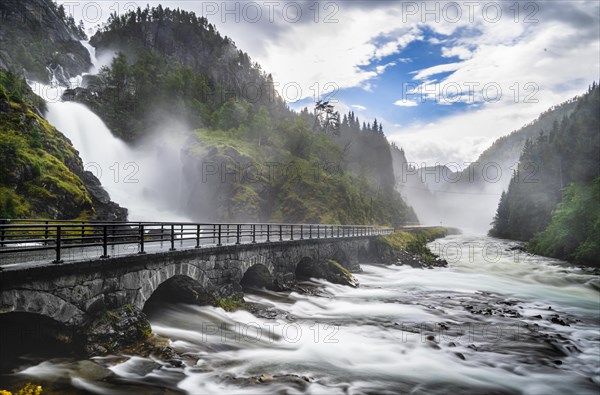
[404, 330]
[145, 180]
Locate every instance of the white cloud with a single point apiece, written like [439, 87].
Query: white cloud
[461, 52]
[434, 70]
[359, 107]
[406, 103]
[381, 69]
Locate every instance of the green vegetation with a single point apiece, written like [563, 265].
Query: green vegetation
[28, 389]
[340, 268]
[506, 150]
[229, 303]
[298, 187]
[552, 197]
[190, 73]
[40, 167]
[574, 231]
[415, 242]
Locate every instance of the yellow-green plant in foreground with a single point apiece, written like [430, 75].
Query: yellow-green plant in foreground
[29, 389]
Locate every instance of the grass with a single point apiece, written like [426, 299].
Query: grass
[39, 165]
[415, 242]
[341, 268]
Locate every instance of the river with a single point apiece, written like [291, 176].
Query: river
[495, 321]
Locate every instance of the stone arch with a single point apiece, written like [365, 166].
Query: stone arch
[306, 268]
[41, 303]
[192, 279]
[341, 257]
[257, 276]
[26, 333]
[249, 262]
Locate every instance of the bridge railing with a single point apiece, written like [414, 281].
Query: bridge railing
[19, 236]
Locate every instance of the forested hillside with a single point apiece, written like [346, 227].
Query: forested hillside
[174, 67]
[552, 200]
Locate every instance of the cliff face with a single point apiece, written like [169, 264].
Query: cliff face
[36, 35]
[41, 173]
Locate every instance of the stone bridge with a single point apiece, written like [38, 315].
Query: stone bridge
[67, 301]
[72, 293]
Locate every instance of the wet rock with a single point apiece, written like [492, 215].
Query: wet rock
[460, 355]
[557, 320]
[112, 330]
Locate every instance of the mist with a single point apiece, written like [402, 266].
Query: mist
[465, 199]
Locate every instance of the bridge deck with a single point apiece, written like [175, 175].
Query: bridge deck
[28, 243]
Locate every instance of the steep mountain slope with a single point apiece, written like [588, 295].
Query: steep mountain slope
[175, 68]
[507, 150]
[561, 166]
[37, 36]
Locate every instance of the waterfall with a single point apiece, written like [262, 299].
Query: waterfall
[145, 180]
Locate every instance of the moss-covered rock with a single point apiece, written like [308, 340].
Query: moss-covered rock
[113, 330]
[408, 247]
[42, 175]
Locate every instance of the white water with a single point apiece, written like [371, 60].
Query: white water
[373, 339]
[146, 180]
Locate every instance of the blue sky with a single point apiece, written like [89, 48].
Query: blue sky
[537, 54]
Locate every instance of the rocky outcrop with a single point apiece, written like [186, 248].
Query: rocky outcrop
[42, 174]
[408, 248]
[104, 208]
[112, 330]
[37, 39]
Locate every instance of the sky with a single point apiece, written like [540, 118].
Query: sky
[445, 78]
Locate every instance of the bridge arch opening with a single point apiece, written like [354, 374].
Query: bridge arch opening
[177, 289]
[27, 337]
[256, 277]
[306, 268]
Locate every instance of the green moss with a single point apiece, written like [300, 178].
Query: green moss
[40, 167]
[339, 267]
[415, 242]
[229, 303]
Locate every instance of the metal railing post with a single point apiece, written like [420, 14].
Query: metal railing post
[318, 231]
[142, 240]
[254, 234]
[310, 231]
[172, 238]
[219, 237]
[82, 231]
[237, 239]
[291, 232]
[197, 236]
[162, 234]
[268, 233]
[2, 230]
[45, 234]
[181, 234]
[301, 232]
[104, 242]
[280, 232]
[58, 245]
